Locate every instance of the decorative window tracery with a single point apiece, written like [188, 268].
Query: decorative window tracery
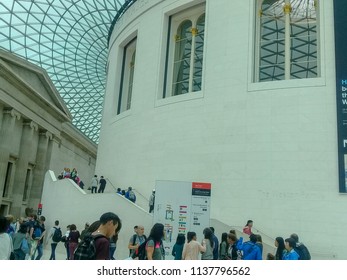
[287, 33]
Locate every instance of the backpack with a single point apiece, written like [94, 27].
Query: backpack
[133, 243]
[86, 249]
[57, 235]
[302, 251]
[24, 246]
[141, 253]
[37, 232]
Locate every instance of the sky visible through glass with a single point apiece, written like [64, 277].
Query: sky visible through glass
[68, 38]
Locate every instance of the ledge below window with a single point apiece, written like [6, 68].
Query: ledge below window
[283, 84]
[179, 98]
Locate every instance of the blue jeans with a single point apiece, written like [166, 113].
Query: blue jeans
[39, 251]
[53, 246]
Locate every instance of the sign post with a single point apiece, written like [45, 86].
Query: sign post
[181, 207]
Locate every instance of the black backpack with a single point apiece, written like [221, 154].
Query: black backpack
[86, 249]
[141, 253]
[57, 235]
[302, 251]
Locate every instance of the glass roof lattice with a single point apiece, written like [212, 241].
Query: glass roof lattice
[67, 38]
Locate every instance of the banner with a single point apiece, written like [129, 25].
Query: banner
[340, 25]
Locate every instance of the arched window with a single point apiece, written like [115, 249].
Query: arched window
[127, 77]
[287, 40]
[185, 53]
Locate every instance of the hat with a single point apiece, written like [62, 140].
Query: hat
[153, 190]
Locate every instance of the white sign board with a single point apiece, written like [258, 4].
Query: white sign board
[181, 207]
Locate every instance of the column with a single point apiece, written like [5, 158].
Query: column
[40, 169]
[27, 154]
[10, 119]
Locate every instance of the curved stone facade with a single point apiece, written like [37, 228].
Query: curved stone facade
[268, 148]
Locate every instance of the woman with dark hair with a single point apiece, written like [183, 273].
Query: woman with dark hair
[20, 243]
[223, 246]
[279, 243]
[178, 247]
[259, 242]
[154, 246]
[192, 248]
[248, 227]
[208, 243]
[73, 240]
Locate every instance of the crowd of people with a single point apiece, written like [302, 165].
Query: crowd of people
[73, 175]
[128, 194]
[24, 239]
[96, 185]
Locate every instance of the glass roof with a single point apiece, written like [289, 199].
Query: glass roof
[68, 38]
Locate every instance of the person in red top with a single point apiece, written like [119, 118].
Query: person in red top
[110, 224]
[248, 227]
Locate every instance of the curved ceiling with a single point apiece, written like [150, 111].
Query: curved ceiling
[68, 38]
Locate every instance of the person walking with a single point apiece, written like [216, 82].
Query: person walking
[51, 241]
[102, 184]
[151, 201]
[20, 243]
[137, 239]
[108, 225]
[290, 253]
[209, 244]
[192, 248]
[154, 247]
[300, 248]
[94, 183]
[248, 227]
[73, 239]
[37, 234]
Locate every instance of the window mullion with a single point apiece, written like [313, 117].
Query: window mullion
[287, 10]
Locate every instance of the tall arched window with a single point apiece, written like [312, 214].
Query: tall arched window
[127, 77]
[287, 40]
[185, 52]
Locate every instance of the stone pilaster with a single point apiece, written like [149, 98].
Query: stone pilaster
[45, 137]
[1, 114]
[10, 119]
[25, 165]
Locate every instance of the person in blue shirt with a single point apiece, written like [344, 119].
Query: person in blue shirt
[290, 254]
[250, 250]
[215, 245]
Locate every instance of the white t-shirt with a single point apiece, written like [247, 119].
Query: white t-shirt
[6, 246]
